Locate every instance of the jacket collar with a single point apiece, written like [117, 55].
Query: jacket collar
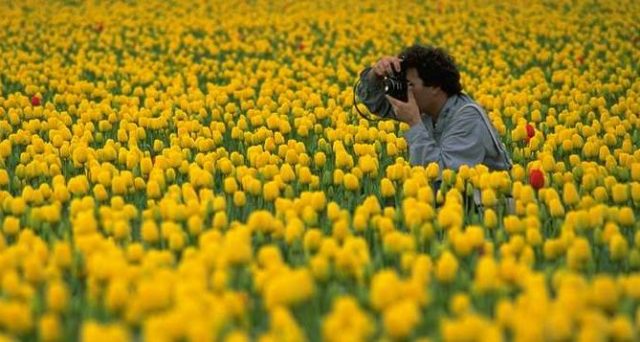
[449, 105]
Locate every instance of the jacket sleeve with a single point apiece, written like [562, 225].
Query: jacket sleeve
[371, 93]
[461, 143]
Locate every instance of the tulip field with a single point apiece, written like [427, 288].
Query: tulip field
[196, 171]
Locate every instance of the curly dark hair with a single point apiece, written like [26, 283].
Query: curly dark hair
[435, 67]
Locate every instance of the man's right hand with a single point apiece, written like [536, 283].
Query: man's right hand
[386, 66]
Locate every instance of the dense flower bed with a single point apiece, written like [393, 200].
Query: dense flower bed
[195, 170]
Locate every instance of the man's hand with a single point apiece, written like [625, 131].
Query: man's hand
[386, 66]
[406, 111]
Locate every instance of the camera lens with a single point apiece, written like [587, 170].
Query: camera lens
[390, 85]
[395, 88]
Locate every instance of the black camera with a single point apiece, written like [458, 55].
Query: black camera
[396, 85]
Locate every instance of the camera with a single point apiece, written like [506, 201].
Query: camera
[396, 85]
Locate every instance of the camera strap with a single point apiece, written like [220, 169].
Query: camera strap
[355, 105]
[496, 141]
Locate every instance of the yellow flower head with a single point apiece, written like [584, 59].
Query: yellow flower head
[446, 267]
[351, 182]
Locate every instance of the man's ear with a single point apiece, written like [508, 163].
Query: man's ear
[438, 89]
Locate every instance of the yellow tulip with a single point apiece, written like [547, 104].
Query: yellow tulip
[400, 319]
[11, 225]
[49, 327]
[618, 247]
[271, 191]
[382, 294]
[446, 267]
[57, 297]
[351, 182]
[239, 198]
[619, 193]
[570, 194]
[486, 275]
[387, 189]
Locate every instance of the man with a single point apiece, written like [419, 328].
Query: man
[447, 126]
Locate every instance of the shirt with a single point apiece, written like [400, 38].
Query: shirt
[462, 134]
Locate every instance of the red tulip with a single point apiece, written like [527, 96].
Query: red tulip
[98, 27]
[35, 101]
[530, 131]
[301, 46]
[536, 179]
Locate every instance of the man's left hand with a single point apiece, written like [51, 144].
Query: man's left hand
[406, 111]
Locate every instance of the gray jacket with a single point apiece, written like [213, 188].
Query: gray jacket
[462, 134]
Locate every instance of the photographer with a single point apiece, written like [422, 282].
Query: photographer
[423, 90]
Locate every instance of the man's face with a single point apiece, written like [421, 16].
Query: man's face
[424, 95]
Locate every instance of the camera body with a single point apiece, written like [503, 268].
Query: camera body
[396, 85]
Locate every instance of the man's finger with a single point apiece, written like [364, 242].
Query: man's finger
[378, 70]
[396, 63]
[410, 96]
[394, 102]
[389, 68]
[382, 66]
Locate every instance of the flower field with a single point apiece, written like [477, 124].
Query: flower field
[195, 170]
